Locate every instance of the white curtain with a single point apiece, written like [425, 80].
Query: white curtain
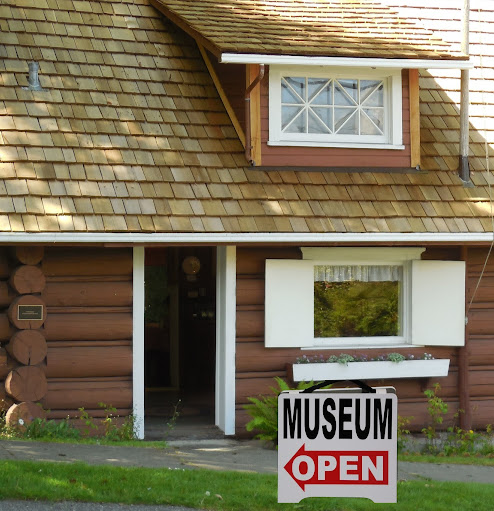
[362, 273]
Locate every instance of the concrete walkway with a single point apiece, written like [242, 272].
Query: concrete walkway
[217, 454]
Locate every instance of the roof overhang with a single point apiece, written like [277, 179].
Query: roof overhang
[265, 238]
[296, 60]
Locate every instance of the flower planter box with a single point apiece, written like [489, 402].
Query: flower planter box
[371, 370]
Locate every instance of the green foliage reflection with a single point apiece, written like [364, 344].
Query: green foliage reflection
[356, 309]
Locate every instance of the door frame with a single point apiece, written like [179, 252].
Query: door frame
[225, 338]
[226, 305]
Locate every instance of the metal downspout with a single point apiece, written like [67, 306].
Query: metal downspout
[464, 164]
[248, 138]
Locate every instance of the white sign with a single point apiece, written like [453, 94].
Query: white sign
[337, 443]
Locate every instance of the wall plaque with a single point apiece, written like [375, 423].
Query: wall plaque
[30, 312]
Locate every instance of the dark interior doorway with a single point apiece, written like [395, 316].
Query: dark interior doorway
[179, 335]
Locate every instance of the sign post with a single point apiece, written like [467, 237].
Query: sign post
[337, 443]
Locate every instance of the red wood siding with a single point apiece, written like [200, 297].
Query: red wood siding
[256, 366]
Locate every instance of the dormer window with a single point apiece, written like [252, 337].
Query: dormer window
[335, 107]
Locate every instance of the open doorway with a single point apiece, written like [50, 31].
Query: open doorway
[179, 339]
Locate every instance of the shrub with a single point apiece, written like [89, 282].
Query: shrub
[264, 411]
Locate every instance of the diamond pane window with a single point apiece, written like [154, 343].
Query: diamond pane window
[335, 108]
[347, 107]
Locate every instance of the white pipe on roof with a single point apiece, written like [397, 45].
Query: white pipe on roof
[242, 238]
[250, 58]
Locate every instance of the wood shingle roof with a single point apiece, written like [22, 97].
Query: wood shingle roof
[340, 28]
[129, 135]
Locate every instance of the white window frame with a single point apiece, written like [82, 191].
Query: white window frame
[393, 134]
[371, 257]
[432, 303]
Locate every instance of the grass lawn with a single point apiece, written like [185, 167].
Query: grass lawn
[234, 491]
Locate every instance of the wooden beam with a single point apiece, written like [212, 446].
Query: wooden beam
[413, 81]
[223, 96]
[252, 72]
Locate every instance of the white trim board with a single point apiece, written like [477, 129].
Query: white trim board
[297, 60]
[214, 238]
[138, 340]
[226, 268]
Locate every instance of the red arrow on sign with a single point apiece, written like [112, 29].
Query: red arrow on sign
[338, 467]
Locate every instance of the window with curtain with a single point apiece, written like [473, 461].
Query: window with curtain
[357, 300]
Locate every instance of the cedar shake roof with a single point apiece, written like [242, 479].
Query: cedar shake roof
[129, 135]
[336, 28]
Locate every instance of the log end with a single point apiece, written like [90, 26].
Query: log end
[21, 415]
[27, 279]
[29, 254]
[27, 312]
[26, 383]
[28, 347]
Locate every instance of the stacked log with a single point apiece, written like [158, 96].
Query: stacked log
[79, 353]
[25, 383]
[88, 331]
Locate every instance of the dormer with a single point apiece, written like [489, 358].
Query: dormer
[322, 85]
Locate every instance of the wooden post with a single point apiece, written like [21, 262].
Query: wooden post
[414, 92]
[252, 73]
[463, 363]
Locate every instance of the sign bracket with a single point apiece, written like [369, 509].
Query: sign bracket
[366, 389]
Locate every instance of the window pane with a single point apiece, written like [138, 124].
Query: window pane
[345, 121]
[371, 92]
[288, 113]
[299, 124]
[293, 90]
[346, 92]
[320, 120]
[323, 94]
[372, 121]
[355, 303]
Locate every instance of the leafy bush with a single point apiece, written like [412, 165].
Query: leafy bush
[436, 408]
[43, 429]
[403, 432]
[264, 411]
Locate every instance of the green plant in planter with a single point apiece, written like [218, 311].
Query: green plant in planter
[264, 411]
[395, 357]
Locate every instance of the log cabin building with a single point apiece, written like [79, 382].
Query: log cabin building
[183, 182]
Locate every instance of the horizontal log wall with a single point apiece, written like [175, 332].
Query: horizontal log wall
[88, 329]
[256, 366]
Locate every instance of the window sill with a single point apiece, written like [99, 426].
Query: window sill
[371, 370]
[341, 145]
